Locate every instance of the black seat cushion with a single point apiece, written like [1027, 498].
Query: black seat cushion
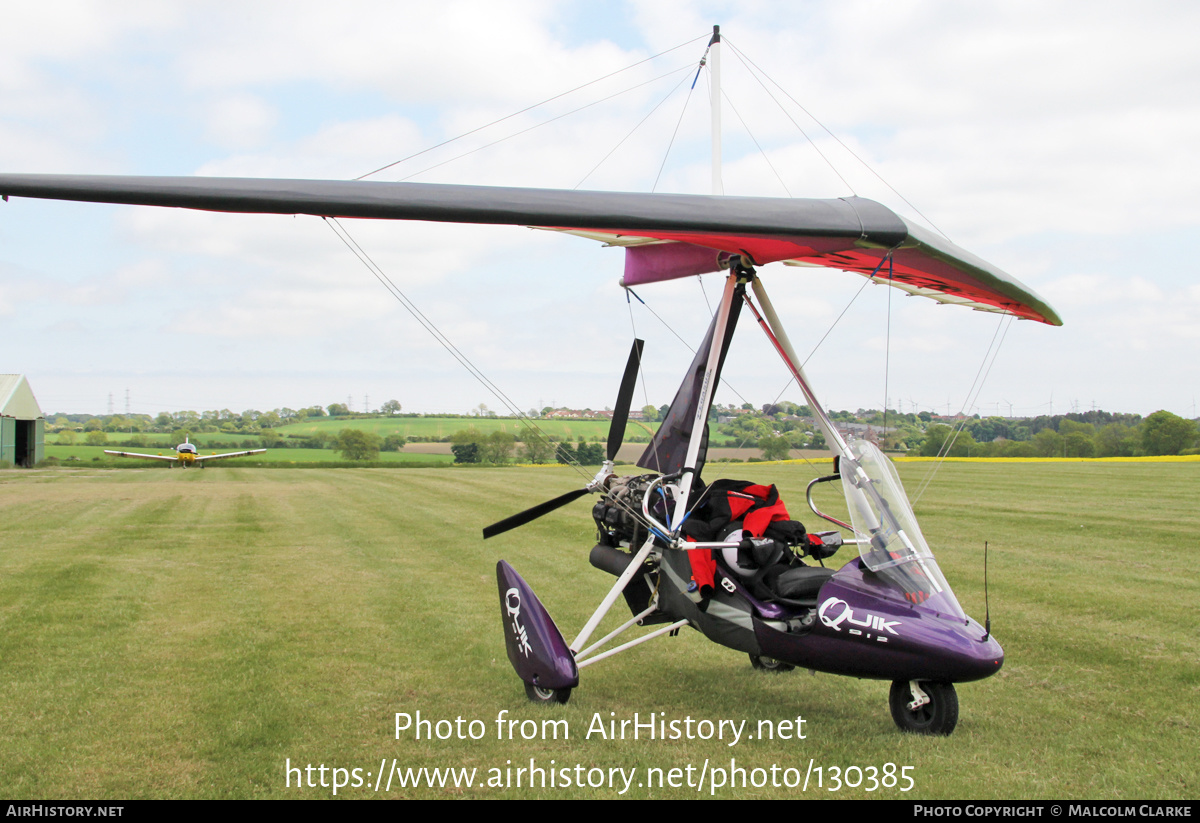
[798, 582]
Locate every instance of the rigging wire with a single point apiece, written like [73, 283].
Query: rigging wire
[379, 274]
[667, 326]
[704, 291]
[641, 371]
[674, 134]
[757, 145]
[685, 343]
[985, 368]
[620, 143]
[748, 62]
[887, 352]
[543, 123]
[530, 108]
[870, 279]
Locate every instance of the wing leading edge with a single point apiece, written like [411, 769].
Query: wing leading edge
[147, 456]
[200, 457]
[850, 233]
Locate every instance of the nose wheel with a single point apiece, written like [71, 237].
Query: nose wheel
[769, 664]
[924, 707]
[539, 695]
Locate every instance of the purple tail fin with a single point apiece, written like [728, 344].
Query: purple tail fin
[536, 648]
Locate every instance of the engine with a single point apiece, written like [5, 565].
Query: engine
[618, 514]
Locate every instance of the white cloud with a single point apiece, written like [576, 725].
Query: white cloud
[1057, 144]
[240, 121]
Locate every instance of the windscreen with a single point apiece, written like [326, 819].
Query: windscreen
[893, 546]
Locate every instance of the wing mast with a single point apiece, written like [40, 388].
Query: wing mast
[738, 270]
[700, 421]
[683, 485]
[714, 69]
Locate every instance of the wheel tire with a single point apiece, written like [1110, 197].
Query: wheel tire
[769, 664]
[539, 695]
[938, 716]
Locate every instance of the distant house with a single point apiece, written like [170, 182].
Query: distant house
[583, 414]
[862, 431]
[22, 424]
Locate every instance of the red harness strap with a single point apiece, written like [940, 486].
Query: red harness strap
[748, 504]
[756, 522]
[704, 567]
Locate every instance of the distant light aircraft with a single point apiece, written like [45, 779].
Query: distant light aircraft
[186, 455]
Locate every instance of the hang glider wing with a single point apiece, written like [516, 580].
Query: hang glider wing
[200, 457]
[147, 456]
[666, 235]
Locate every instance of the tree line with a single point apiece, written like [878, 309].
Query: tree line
[250, 421]
[473, 446]
[1161, 433]
[775, 429]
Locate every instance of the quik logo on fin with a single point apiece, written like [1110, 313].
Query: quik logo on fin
[835, 613]
[512, 604]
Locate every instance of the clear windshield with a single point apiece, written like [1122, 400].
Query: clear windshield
[893, 546]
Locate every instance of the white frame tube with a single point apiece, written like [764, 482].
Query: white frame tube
[624, 627]
[684, 486]
[658, 633]
[784, 346]
[613, 594]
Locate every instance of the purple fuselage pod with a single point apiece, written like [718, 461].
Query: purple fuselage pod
[536, 648]
[865, 628]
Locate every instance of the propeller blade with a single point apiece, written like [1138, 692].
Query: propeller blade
[616, 432]
[521, 518]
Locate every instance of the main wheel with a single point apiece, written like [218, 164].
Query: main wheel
[769, 664]
[539, 695]
[938, 716]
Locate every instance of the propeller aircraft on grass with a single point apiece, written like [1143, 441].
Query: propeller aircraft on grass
[186, 455]
[726, 559]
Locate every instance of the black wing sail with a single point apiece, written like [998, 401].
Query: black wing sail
[850, 233]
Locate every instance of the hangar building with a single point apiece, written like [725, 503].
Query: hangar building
[22, 424]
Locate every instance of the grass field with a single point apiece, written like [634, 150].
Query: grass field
[191, 634]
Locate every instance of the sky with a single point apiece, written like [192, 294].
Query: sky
[1056, 141]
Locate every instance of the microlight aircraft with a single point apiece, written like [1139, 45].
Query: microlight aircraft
[186, 455]
[724, 559]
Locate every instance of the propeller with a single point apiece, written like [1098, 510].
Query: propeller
[616, 430]
[616, 434]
